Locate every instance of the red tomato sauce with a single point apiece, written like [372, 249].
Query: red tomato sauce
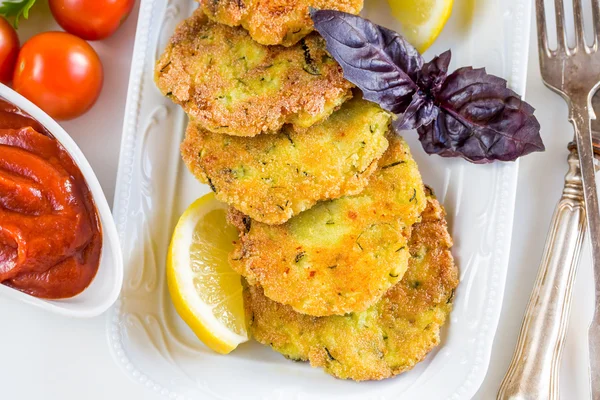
[50, 234]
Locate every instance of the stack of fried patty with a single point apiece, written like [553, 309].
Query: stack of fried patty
[344, 252]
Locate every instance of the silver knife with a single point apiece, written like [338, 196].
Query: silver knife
[534, 369]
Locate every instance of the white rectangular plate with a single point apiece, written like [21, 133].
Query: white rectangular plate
[155, 348]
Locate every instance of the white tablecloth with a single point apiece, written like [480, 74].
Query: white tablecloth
[43, 356]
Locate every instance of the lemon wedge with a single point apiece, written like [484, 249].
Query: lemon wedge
[206, 292]
[422, 20]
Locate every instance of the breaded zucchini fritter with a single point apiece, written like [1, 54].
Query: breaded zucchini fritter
[274, 21]
[342, 255]
[230, 84]
[272, 177]
[387, 339]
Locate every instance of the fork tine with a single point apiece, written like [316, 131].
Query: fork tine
[542, 31]
[596, 14]
[579, 32]
[561, 33]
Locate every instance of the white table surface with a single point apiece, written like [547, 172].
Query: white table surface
[43, 356]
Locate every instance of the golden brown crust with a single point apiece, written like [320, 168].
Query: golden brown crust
[341, 255]
[230, 84]
[388, 338]
[274, 21]
[273, 177]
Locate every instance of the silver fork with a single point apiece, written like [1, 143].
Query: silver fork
[574, 73]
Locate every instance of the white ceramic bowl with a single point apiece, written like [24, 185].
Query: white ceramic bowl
[105, 288]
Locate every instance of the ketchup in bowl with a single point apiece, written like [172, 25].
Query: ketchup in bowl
[50, 234]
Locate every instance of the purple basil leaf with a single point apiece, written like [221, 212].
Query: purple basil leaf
[433, 74]
[421, 111]
[481, 120]
[377, 60]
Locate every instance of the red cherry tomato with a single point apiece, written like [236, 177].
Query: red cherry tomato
[59, 72]
[9, 50]
[91, 19]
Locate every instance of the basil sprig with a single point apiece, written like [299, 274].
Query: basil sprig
[468, 113]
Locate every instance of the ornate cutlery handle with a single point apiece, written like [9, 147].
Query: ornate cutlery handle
[533, 372]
